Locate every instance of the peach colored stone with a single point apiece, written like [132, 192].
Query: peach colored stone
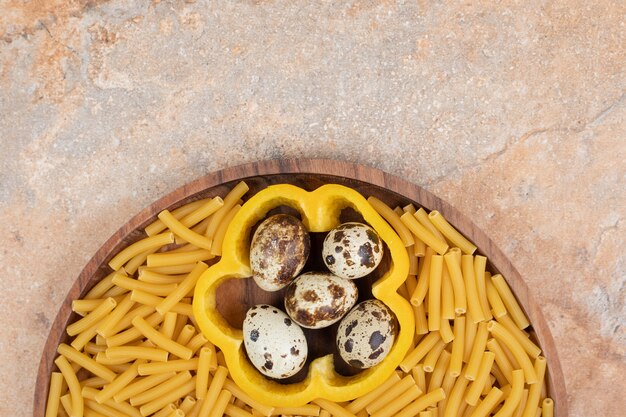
[513, 112]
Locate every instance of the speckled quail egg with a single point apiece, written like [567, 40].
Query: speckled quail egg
[275, 345]
[366, 334]
[279, 249]
[318, 299]
[352, 250]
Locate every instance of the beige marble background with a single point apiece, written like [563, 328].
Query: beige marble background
[513, 112]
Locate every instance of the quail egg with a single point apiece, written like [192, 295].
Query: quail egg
[352, 250]
[275, 345]
[366, 334]
[318, 299]
[279, 249]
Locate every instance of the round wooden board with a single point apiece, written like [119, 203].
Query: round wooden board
[308, 174]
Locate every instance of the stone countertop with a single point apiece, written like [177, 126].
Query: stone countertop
[514, 113]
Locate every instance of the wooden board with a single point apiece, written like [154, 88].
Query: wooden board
[308, 174]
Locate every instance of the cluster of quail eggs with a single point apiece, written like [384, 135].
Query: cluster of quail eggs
[274, 340]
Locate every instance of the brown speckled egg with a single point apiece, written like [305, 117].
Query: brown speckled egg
[279, 249]
[366, 334]
[275, 345]
[318, 299]
[352, 250]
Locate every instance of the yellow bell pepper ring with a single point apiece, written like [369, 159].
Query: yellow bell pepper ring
[320, 210]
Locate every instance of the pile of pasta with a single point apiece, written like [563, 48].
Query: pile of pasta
[137, 351]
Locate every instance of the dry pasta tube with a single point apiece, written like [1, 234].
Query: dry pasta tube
[458, 286]
[421, 322]
[447, 295]
[100, 288]
[134, 284]
[131, 266]
[73, 385]
[106, 326]
[434, 293]
[161, 340]
[473, 302]
[230, 200]
[183, 288]
[202, 383]
[83, 338]
[139, 247]
[422, 402]
[121, 381]
[210, 399]
[425, 345]
[393, 219]
[157, 391]
[86, 362]
[458, 344]
[439, 372]
[512, 306]
[360, 403]
[188, 403]
[534, 392]
[157, 226]
[453, 402]
[303, 410]
[547, 408]
[482, 376]
[399, 402]
[92, 318]
[218, 238]
[138, 352]
[54, 394]
[178, 258]
[184, 232]
[497, 306]
[504, 337]
[480, 263]
[431, 358]
[142, 385]
[168, 397]
[419, 293]
[515, 396]
[501, 359]
[335, 409]
[152, 300]
[166, 411]
[420, 377]
[264, 409]
[382, 401]
[519, 335]
[178, 365]
[478, 348]
[439, 246]
[489, 402]
[233, 411]
[446, 331]
[451, 233]
[132, 333]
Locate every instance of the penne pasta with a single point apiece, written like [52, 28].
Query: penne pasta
[534, 391]
[157, 226]
[439, 372]
[217, 383]
[92, 318]
[419, 293]
[503, 336]
[497, 306]
[547, 408]
[482, 376]
[431, 358]
[478, 347]
[421, 350]
[184, 232]
[202, 382]
[86, 362]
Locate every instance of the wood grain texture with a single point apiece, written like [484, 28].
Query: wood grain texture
[308, 174]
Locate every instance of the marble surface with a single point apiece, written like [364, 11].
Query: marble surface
[513, 112]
